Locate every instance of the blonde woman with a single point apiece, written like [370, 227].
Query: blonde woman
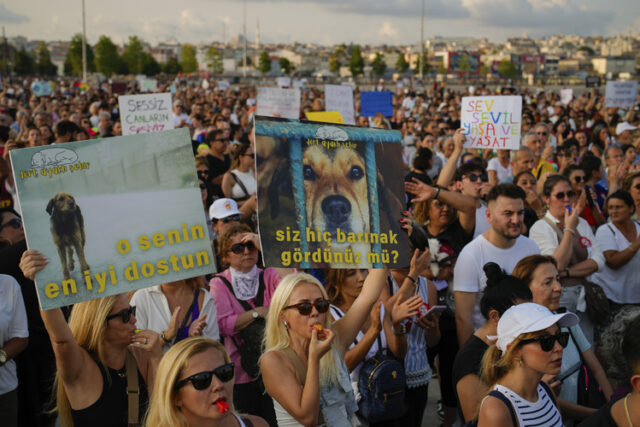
[92, 352]
[195, 387]
[303, 365]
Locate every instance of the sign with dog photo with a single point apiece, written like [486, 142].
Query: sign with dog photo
[329, 195]
[112, 215]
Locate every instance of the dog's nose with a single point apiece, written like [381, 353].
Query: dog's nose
[336, 209]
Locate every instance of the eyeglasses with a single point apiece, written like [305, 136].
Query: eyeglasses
[542, 133]
[125, 314]
[548, 341]
[203, 172]
[220, 140]
[578, 179]
[13, 222]
[202, 380]
[238, 248]
[304, 308]
[561, 195]
[252, 155]
[227, 219]
[473, 177]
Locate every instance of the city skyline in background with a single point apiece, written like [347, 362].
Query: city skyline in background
[325, 22]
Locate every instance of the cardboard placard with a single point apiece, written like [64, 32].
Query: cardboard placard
[41, 88]
[325, 116]
[284, 82]
[329, 195]
[276, 102]
[145, 113]
[372, 103]
[492, 122]
[566, 96]
[621, 94]
[148, 85]
[125, 213]
[592, 81]
[118, 87]
[340, 98]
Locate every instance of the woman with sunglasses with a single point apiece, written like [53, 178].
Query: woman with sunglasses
[563, 234]
[195, 387]
[578, 179]
[540, 274]
[303, 362]
[93, 351]
[632, 185]
[239, 183]
[242, 294]
[529, 345]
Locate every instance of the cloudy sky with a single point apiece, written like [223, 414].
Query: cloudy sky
[316, 21]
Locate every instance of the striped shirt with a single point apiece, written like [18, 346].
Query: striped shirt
[542, 413]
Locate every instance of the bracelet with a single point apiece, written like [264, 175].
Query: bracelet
[435, 196]
[415, 282]
[164, 338]
[570, 231]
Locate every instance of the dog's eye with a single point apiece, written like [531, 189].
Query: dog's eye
[356, 173]
[308, 173]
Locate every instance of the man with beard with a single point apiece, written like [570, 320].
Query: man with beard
[502, 244]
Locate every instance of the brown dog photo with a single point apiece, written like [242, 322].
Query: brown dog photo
[67, 230]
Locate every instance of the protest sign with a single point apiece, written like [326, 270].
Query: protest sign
[325, 116]
[298, 84]
[372, 103]
[329, 195]
[592, 81]
[112, 215]
[41, 88]
[223, 85]
[492, 122]
[284, 82]
[276, 102]
[145, 113]
[118, 87]
[566, 95]
[148, 85]
[340, 98]
[621, 94]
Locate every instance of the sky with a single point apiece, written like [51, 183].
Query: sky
[324, 22]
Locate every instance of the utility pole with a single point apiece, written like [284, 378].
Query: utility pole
[4, 53]
[421, 42]
[84, 45]
[244, 36]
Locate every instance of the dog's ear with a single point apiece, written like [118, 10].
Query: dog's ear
[50, 205]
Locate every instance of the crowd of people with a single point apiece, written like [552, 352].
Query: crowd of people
[528, 259]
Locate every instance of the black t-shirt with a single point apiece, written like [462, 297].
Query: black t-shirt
[217, 167]
[602, 418]
[469, 359]
[455, 236]
[530, 218]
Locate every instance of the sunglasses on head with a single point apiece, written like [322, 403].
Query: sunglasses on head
[578, 179]
[238, 248]
[548, 341]
[304, 308]
[125, 314]
[13, 222]
[561, 195]
[202, 380]
[473, 177]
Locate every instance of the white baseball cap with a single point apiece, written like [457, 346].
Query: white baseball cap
[621, 127]
[528, 317]
[223, 208]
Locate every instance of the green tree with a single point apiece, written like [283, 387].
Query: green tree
[172, 66]
[506, 69]
[588, 50]
[134, 55]
[188, 59]
[24, 64]
[334, 64]
[214, 60]
[74, 57]
[378, 65]
[264, 62]
[108, 60]
[285, 65]
[335, 60]
[401, 64]
[426, 67]
[442, 69]
[150, 66]
[356, 63]
[44, 66]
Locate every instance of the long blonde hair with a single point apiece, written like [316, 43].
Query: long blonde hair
[162, 410]
[88, 323]
[276, 336]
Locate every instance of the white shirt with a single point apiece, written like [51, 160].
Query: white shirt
[619, 285]
[547, 239]
[13, 324]
[249, 181]
[482, 224]
[468, 275]
[152, 312]
[501, 171]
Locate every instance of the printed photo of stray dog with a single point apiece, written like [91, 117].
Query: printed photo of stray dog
[67, 230]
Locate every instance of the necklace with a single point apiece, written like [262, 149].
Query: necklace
[626, 410]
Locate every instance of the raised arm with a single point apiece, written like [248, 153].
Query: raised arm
[449, 168]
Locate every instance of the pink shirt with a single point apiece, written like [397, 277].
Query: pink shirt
[229, 308]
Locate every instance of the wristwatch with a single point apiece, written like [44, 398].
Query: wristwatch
[164, 338]
[402, 329]
[3, 357]
[255, 314]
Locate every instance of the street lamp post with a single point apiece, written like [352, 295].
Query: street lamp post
[84, 45]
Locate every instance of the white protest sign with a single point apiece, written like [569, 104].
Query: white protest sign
[276, 102]
[621, 94]
[566, 95]
[340, 98]
[492, 122]
[145, 113]
[284, 82]
[223, 85]
[297, 84]
[148, 85]
[205, 84]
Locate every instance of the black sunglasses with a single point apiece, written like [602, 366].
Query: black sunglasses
[238, 248]
[203, 186]
[203, 172]
[578, 179]
[13, 222]
[125, 314]
[561, 195]
[252, 155]
[473, 177]
[228, 219]
[304, 308]
[202, 380]
[548, 341]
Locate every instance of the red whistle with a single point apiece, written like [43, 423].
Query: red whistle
[223, 406]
